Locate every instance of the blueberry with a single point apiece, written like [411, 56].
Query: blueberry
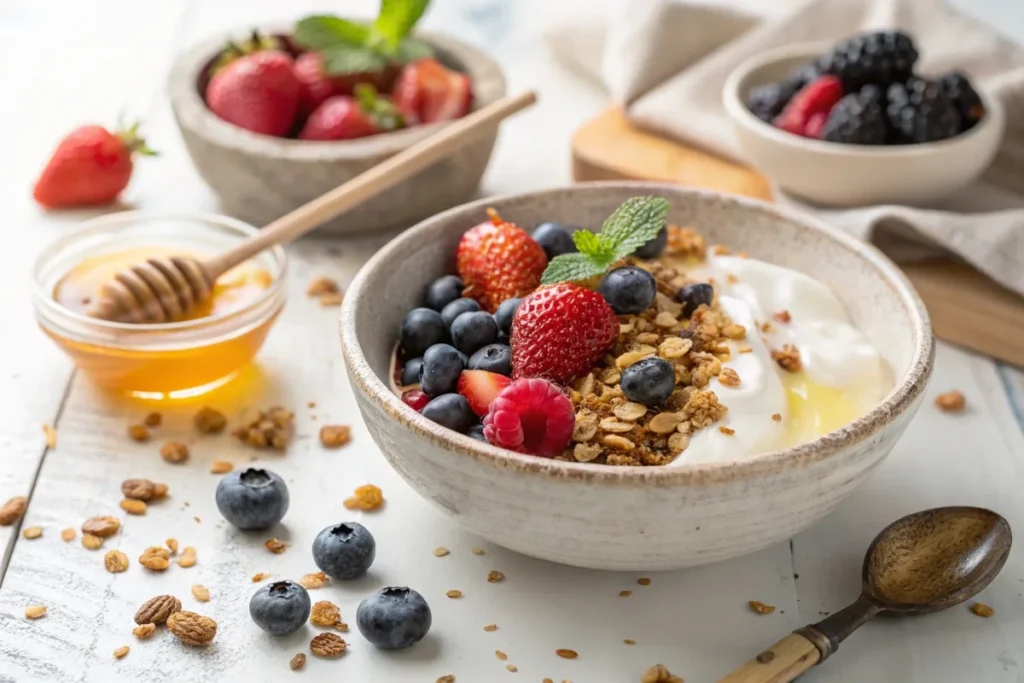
[477, 432]
[421, 329]
[456, 308]
[473, 330]
[344, 551]
[506, 311]
[493, 358]
[280, 608]
[443, 291]
[650, 381]
[653, 248]
[628, 290]
[440, 372]
[693, 296]
[555, 238]
[393, 618]
[451, 411]
[252, 498]
[465, 359]
[411, 371]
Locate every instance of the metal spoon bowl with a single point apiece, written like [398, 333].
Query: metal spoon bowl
[921, 563]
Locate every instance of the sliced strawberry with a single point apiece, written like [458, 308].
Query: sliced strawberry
[817, 97]
[428, 92]
[415, 399]
[481, 388]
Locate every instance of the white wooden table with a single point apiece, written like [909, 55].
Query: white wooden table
[65, 63]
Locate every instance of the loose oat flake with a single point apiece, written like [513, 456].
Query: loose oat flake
[760, 607]
[91, 542]
[133, 507]
[566, 654]
[191, 628]
[51, 436]
[335, 436]
[12, 510]
[120, 652]
[982, 610]
[153, 420]
[209, 421]
[32, 532]
[644, 581]
[478, 551]
[512, 667]
[325, 613]
[187, 558]
[951, 402]
[441, 551]
[260, 576]
[68, 535]
[367, 497]
[454, 594]
[172, 545]
[138, 489]
[322, 285]
[491, 627]
[625, 594]
[201, 593]
[155, 558]
[659, 673]
[138, 433]
[143, 631]
[35, 611]
[449, 678]
[271, 428]
[629, 641]
[328, 645]
[500, 655]
[220, 467]
[174, 452]
[103, 526]
[315, 580]
[494, 576]
[297, 662]
[275, 545]
[115, 561]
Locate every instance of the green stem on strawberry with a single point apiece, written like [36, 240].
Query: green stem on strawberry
[382, 110]
[133, 142]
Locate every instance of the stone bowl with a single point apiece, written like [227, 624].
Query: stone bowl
[637, 518]
[259, 178]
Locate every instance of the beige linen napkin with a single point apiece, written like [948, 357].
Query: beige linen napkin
[666, 61]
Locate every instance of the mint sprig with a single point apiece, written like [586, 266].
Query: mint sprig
[635, 223]
[350, 47]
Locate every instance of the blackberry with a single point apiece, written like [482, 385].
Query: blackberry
[767, 101]
[959, 90]
[920, 111]
[858, 119]
[880, 58]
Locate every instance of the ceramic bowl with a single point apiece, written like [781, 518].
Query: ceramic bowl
[260, 178]
[647, 518]
[833, 174]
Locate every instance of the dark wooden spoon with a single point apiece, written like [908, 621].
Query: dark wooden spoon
[921, 563]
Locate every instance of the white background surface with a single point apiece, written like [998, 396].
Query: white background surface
[63, 63]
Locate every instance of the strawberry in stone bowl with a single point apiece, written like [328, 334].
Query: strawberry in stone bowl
[275, 117]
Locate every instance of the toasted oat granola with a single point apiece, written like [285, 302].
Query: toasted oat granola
[951, 402]
[659, 673]
[325, 613]
[209, 421]
[366, 497]
[335, 436]
[271, 428]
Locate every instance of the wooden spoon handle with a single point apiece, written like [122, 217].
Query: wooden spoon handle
[372, 182]
[782, 662]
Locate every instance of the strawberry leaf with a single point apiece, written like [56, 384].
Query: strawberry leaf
[341, 61]
[572, 267]
[321, 32]
[635, 223]
[381, 109]
[396, 19]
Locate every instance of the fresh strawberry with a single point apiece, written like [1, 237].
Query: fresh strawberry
[258, 92]
[345, 118]
[498, 261]
[90, 166]
[428, 92]
[317, 85]
[560, 331]
[481, 388]
[800, 116]
[254, 43]
[415, 399]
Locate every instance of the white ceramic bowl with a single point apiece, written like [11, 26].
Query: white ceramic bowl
[835, 174]
[635, 517]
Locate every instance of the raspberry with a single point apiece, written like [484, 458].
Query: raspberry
[415, 399]
[531, 416]
[817, 97]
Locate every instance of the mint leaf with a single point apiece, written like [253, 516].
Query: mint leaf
[396, 19]
[341, 61]
[321, 32]
[635, 223]
[571, 268]
[593, 246]
[411, 49]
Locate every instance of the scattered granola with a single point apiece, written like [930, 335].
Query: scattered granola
[728, 431]
[120, 652]
[325, 613]
[951, 402]
[335, 436]
[115, 561]
[500, 655]
[103, 526]
[32, 532]
[625, 594]
[777, 417]
[143, 631]
[191, 628]
[454, 594]
[566, 654]
[271, 428]
[366, 497]
[220, 467]
[449, 678]
[133, 507]
[491, 627]
[275, 546]
[187, 558]
[629, 641]
[441, 551]
[478, 551]
[91, 542]
[328, 645]
[788, 358]
[494, 576]
[760, 607]
[314, 581]
[512, 667]
[729, 378]
[68, 535]
[138, 432]
[174, 452]
[155, 558]
[659, 673]
[51, 436]
[297, 662]
[159, 491]
[982, 610]
[35, 611]
[643, 581]
[12, 510]
[172, 545]
[332, 299]
[260, 576]
[157, 610]
[685, 242]
[209, 421]
[153, 420]
[320, 286]
[201, 593]
[783, 316]
[138, 489]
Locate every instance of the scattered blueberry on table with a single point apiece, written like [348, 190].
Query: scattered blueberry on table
[394, 618]
[280, 608]
[252, 499]
[344, 551]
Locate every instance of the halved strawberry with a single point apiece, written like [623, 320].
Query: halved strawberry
[427, 92]
[415, 399]
[481, 388]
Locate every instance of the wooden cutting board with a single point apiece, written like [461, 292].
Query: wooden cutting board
[966, 307]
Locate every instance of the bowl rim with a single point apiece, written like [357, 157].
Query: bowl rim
[732, 99]
[191, 111]
[906, 389]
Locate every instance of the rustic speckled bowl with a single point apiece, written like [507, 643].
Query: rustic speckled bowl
[622, 517]
[259, 178]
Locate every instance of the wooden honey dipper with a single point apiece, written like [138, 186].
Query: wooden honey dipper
[167, 288]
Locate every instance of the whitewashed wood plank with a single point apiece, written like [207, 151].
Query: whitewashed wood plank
[944, 459]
